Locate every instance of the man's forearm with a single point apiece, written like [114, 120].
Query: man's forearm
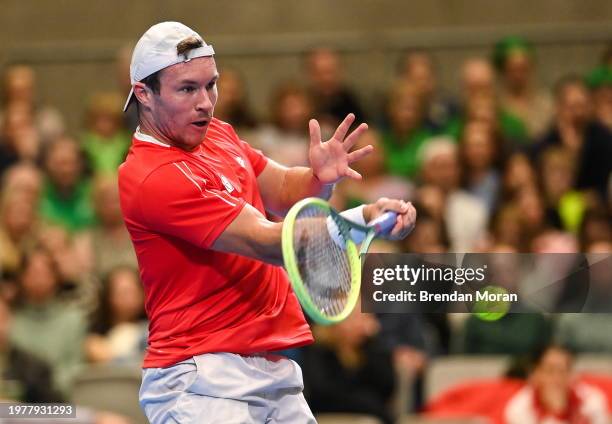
[299, 183]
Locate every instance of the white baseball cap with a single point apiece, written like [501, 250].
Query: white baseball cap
[156, 50]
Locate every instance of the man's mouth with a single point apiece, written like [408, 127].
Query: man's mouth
[200, 124]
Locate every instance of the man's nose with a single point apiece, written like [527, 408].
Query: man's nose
[204, 103]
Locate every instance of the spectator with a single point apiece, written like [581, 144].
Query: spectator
[480, 154]
[564, 207]
[233, 106]
[599, 81]
[596, 227]
[25, 179]
[287, 139]
[429, 236]
[479, 103]
[23, 377]
[465, 215]
[506, 228]
[19, 86]
[105, 142]
[17, 229]
[574, 128]
[417, 70]
[119, 329]
[404, 134]
[513, 58]
[347, 370]
[66, 196]
[19, 140]
[518, 174]
[552, 395]
[45, 326]
[333, 99]
[107, 245]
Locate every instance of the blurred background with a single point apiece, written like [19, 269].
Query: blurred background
[493, 118]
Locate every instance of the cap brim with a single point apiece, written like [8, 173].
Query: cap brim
[129, 99]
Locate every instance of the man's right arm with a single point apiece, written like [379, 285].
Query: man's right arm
[251, 234]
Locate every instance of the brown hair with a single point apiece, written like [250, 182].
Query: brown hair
[182, 48]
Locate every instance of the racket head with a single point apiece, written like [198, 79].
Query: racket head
[325, 276]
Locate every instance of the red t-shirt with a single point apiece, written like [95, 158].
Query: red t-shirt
[175, 205]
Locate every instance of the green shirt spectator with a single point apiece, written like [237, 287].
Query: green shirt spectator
[105, 154]
[72, 211]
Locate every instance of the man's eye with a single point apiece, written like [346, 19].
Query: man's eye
[211, 85]
[187, 89]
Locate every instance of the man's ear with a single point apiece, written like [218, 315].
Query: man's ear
[143, 94]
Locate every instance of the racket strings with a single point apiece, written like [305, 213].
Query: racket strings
[323, 265]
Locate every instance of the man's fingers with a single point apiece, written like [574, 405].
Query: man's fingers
[351, 173]
[315, 132]
[344, 127]
[354, 136]
[359, 154]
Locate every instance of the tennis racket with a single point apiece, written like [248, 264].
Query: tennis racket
[322, 260]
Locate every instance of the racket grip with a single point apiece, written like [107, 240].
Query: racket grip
[384, 223]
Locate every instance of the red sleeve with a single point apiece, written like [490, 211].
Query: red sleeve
[256, 157]
[174, 202]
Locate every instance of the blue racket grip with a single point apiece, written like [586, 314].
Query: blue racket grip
[384, 223]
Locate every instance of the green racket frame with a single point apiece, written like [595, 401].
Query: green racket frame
[291, 265]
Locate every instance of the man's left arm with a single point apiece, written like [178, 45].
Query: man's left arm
[282, 187]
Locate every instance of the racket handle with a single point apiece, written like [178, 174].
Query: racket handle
[384, 223]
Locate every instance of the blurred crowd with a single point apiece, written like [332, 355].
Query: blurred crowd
[501, 165]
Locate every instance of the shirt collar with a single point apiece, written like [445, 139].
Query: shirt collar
[147, 138]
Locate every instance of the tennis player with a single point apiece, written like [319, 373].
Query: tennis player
[194, 197]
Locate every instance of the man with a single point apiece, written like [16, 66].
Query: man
[193, 197]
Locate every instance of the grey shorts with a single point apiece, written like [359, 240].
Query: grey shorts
[226, 388]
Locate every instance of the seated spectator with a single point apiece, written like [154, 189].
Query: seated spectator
[506, 228]
[232, 105]
[480, 153]
[519, 173]
[19, 139]
[553, 396]
[118, 330]
[105, 142]
[18, 220]
[19, 86]
[596, 227]
[417, 69]
[514, 60]
[465, 215]
[404, 133]
[574, 128]
[429, 236]
[286, 139]
[23, 377]
[45, 326]
[23, 178]
[347, 370]
[107, 245]
[66, 196]
[599, 81]
[557, 174]
[333, 99]
[479, 102]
